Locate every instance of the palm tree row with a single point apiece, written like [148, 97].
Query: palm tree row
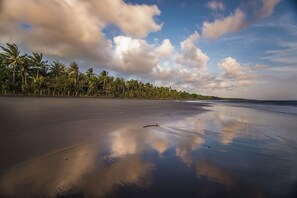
[32, 75]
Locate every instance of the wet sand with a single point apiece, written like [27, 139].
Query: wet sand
[31, 127]
[71, 147]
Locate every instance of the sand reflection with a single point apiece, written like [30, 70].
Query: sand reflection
[221, 123]
[129, 158]
[185, 148]
[123, 143]
[217, 174]
[214, 173]
[158, 142]
[80, 170]
[232, 129]
[47, 175]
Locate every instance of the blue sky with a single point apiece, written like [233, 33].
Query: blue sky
[181, 18]
[239, 48]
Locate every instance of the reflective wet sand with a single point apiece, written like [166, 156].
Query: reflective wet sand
[225, 151]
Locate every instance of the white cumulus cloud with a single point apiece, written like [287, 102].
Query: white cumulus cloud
[191, 55]
[72, 29]
[237, 20]
[133, 55]
[166, 49]
[234, 71]
[232, 23]
[134, 20]
[267, 8]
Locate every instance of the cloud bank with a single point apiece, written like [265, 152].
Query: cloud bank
[73, 28]
[219, 27]
[190, 54]
[237, 20]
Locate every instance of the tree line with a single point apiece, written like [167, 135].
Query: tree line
[32, 75]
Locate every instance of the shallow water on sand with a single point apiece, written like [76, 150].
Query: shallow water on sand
[224, 152]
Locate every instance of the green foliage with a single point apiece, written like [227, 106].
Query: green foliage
[31, 75]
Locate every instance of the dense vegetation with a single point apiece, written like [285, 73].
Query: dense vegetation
[32, 75]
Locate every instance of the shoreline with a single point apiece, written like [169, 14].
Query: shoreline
[101, 97]
[235, 100]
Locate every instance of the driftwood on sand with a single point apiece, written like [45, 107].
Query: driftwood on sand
[151, 125]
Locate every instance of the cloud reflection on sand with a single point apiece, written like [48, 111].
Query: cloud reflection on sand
[232, 129]
[159, 143]
[97, 167]
[218, 174]
[48, 174]
[214, 173]
[184, 149]
[123, 143]
[79, 170]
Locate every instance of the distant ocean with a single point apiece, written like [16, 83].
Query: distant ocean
[281, 106]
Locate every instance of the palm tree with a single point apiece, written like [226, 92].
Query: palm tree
[109, 86]
[24, 70]
[80, 84]
[11, 56]
[73, 74]
[57, 69]
[103, 78]
[37, 63]
[37, 84]
[39, 66]
[123, 86]
[130, 85]
[4, 77]
[119, 87]
[91, 81]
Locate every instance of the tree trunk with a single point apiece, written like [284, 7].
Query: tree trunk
[26, 85]
[13, 79]
[35, 90]
[104, 86]
[23, 84]
[40, 91]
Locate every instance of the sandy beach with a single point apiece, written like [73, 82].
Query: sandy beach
[89, 147]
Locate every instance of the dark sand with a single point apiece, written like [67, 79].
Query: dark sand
[31, 127]
[81, 147]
